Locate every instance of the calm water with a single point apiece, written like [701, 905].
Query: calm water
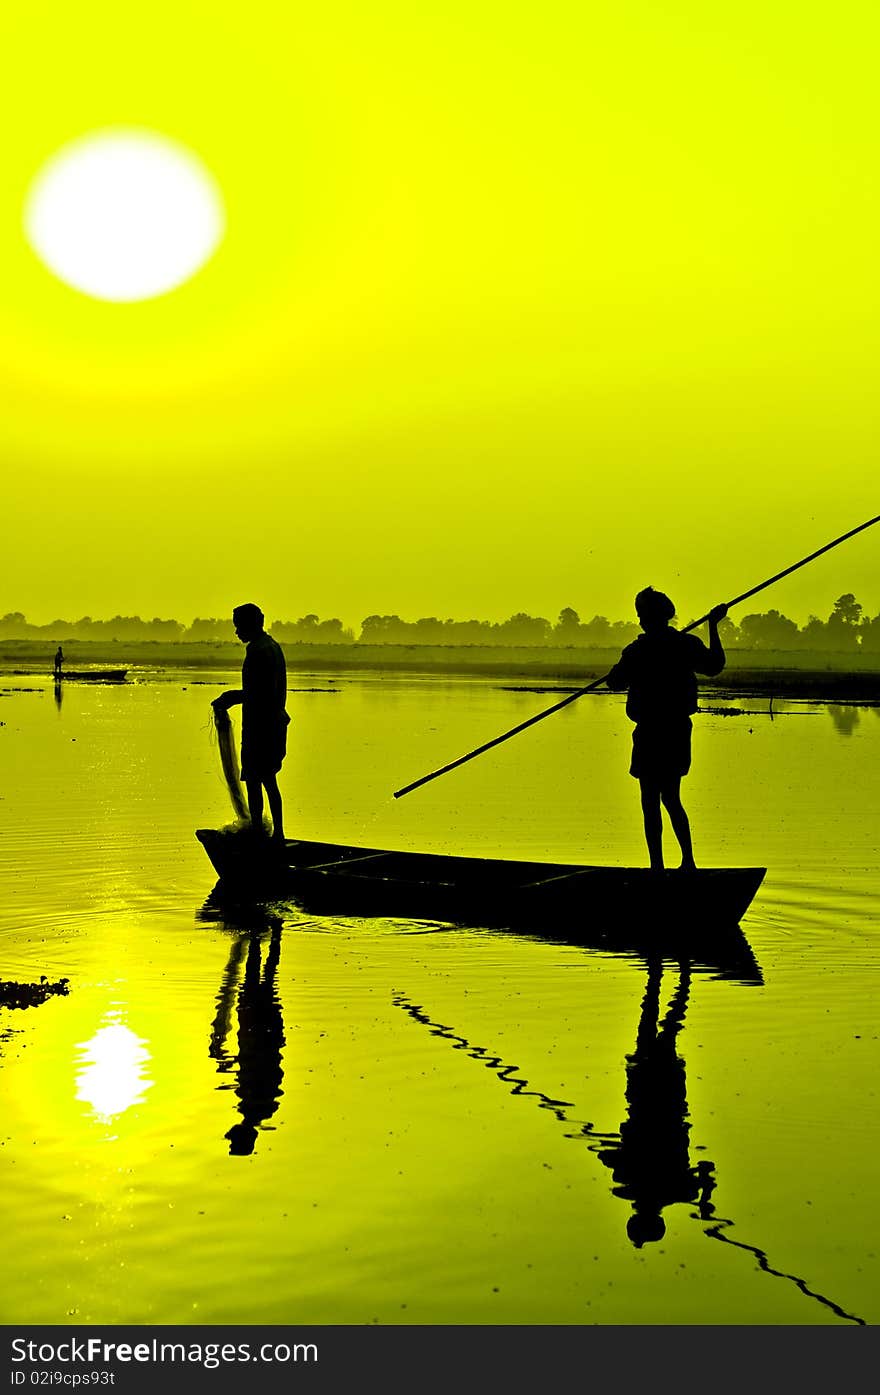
[276, 1118]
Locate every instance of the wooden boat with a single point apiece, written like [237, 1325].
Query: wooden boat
[93, 675]
[348, 880]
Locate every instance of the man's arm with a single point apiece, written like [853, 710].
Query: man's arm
[231, 698]
[713, 658]
[620, 677]
[281, 678]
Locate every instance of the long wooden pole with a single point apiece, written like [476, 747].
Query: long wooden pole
[597, 683]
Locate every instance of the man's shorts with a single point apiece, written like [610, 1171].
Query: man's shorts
[263, 751]
[661, 752]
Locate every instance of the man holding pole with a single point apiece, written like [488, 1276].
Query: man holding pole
[713, 617]
[658, 670]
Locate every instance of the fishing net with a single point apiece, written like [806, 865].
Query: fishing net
[229, 762]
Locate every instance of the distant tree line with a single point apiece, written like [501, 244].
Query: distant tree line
[520, 631]
[308, 630]
[846, 629]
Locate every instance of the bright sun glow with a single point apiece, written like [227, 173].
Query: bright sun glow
[112, 1075]
[124, 215]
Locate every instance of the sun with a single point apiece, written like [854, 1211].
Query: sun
[124, 215]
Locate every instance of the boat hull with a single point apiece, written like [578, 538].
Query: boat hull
[107, 675]
[339, 879]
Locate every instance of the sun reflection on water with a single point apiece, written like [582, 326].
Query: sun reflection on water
[112, 1077]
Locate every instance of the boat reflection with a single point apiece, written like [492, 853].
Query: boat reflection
[722, 950]
[247, 1002]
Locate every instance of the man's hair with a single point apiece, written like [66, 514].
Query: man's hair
[654, 605]
[249, 613]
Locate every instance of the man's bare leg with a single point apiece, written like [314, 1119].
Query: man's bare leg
[653, 823]
[671, 796]
[255, 804]
[273, 794]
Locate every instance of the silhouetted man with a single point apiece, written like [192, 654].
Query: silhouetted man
[59, 660]
[262, 695]
[659, 672]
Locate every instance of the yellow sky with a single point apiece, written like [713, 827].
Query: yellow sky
[519, 307]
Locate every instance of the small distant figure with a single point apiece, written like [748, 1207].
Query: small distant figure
[658, 671]
[264, 721]
[59, 660]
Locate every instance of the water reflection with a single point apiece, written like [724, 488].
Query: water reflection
[58, 693]
[847, 716]
[649, 1155]
[248, 1002]
[112, 1077]
[650, 1159]
[720, 949]
[845, 719]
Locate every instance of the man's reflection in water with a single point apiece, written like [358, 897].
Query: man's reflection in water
[651, 1163]
[845, 719]
[252, 997]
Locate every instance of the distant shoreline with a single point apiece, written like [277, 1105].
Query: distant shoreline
[832, 676]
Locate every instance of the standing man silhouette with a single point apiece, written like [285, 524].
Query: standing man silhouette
[263, 695]
[59, 660]
[658, 670]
